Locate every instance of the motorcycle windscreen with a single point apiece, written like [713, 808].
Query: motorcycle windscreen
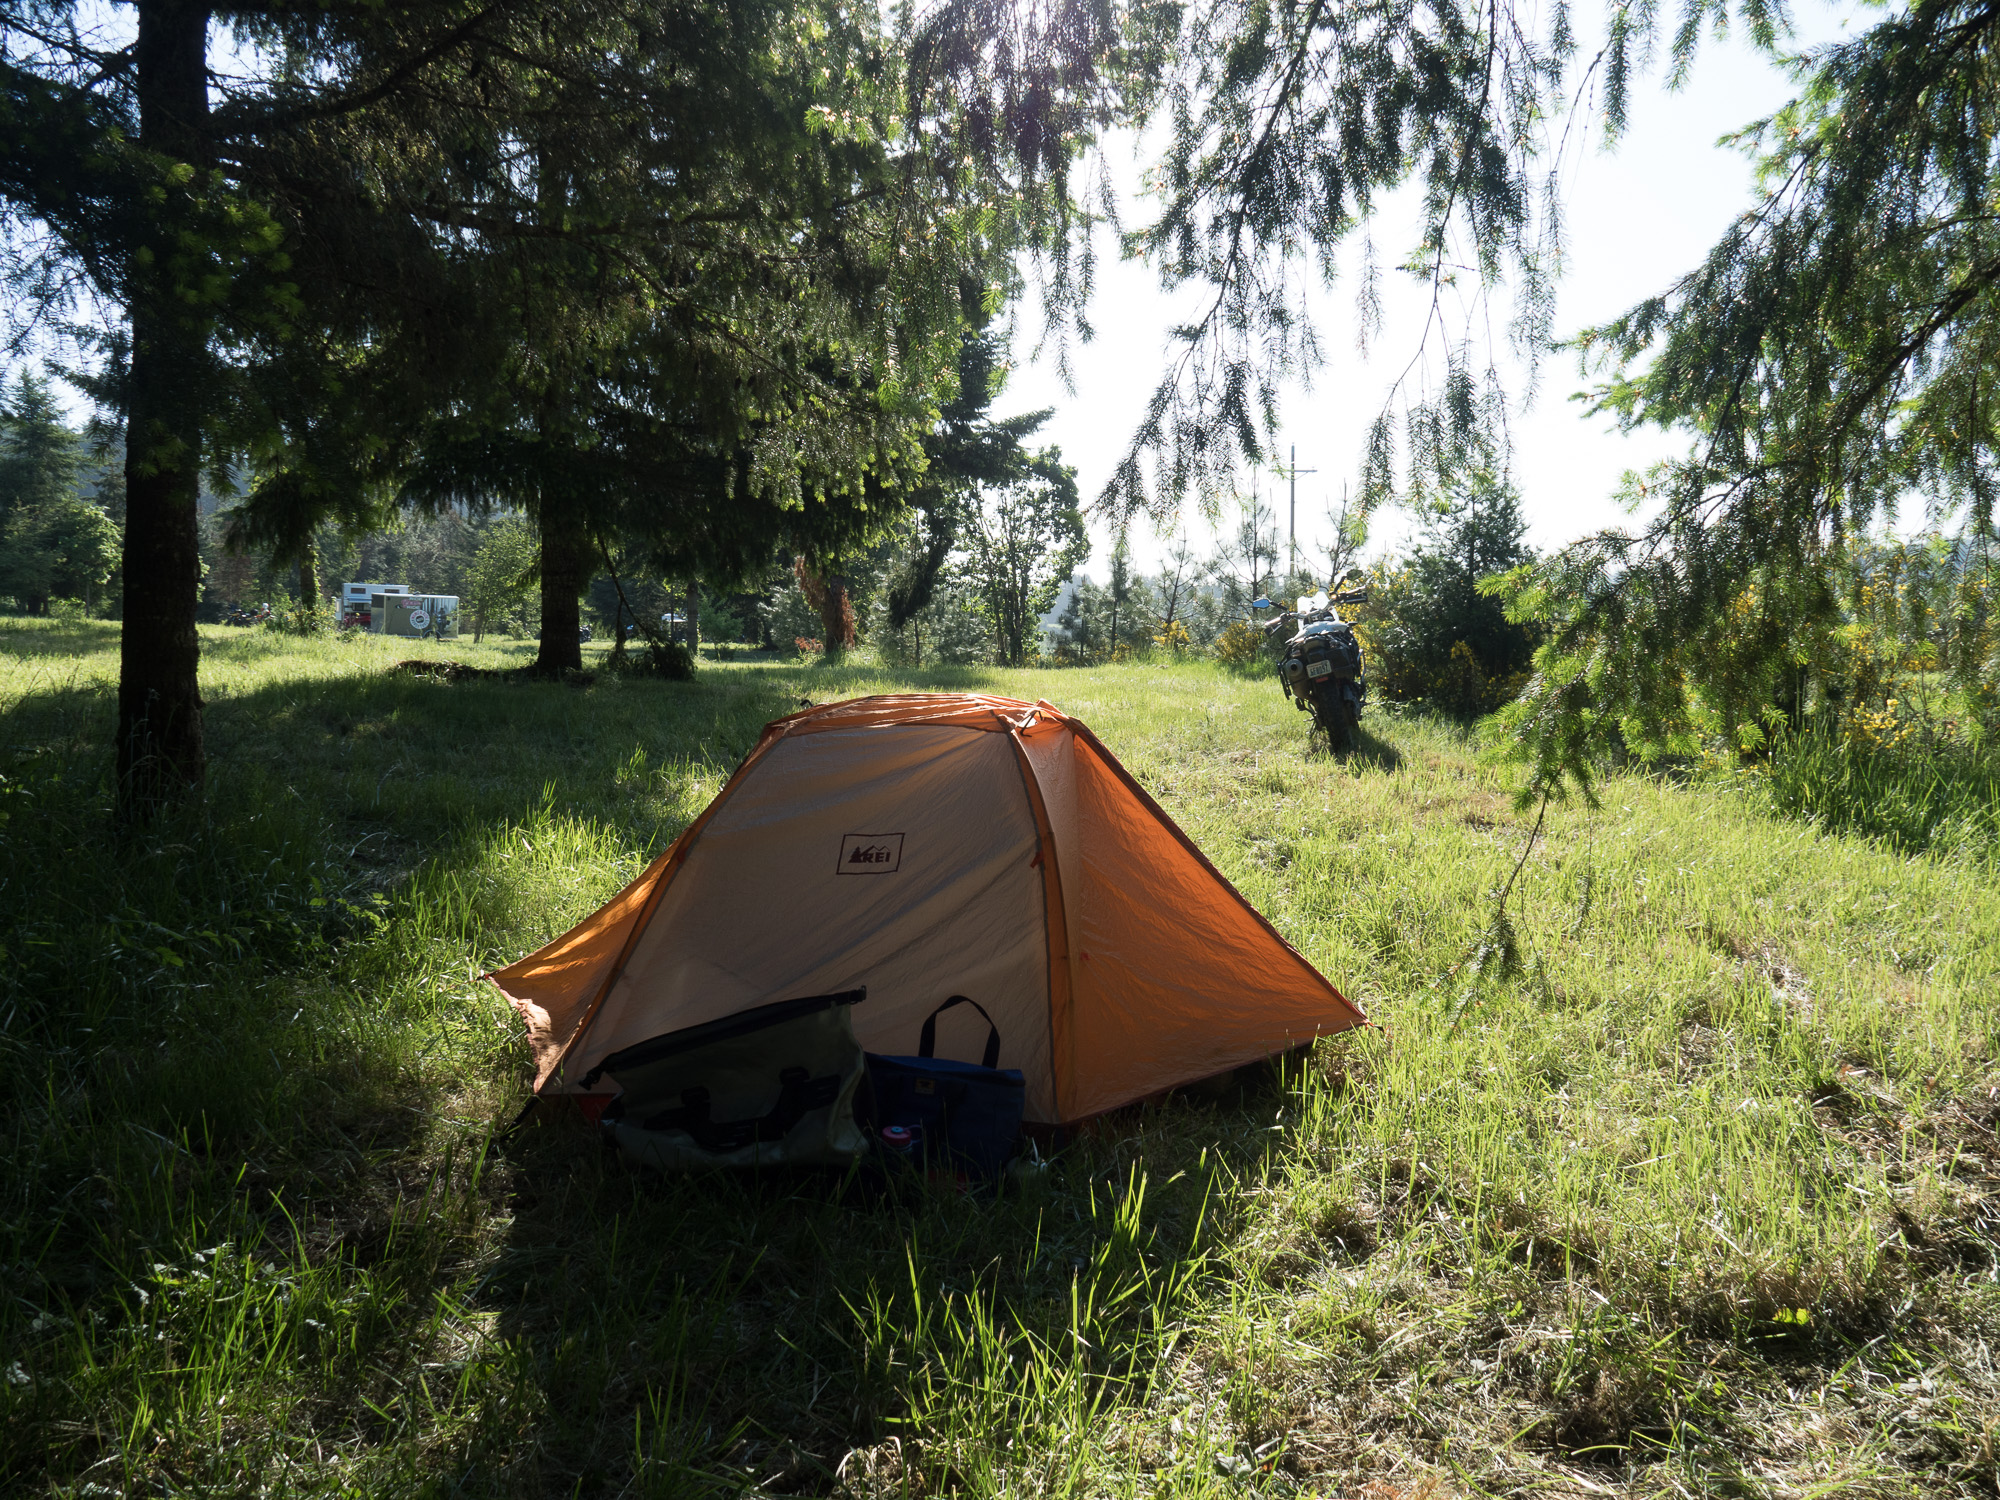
[900, 858]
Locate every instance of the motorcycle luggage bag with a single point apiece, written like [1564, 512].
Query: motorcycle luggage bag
[1335, 645]
[773, 1086]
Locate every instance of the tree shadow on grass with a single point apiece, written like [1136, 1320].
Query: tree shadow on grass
[773, 1331]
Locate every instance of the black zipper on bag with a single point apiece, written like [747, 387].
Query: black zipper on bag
[673, 1043]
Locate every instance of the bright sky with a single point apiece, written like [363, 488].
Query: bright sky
[1636, 219]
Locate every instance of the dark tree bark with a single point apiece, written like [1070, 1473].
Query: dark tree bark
[309, 577]
[567, 558]
[836, 616]
[827, 593]
[160, 751]
[694, 616]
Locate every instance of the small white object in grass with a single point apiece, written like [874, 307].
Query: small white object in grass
[17, 1374]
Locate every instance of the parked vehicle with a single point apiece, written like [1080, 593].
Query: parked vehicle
[1320, 666]
[357, 602]
[245, 614]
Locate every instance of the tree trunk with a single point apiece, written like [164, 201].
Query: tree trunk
[309, 577]
[1013, 619]
[694, 617]
[827, 594]
[159, 703]
[836, 616]
[566, 569]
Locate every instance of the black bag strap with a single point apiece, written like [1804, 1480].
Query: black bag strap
[927, 1039]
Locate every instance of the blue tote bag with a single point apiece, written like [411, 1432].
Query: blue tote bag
[968, 1114]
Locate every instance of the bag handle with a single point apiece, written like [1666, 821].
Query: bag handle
[927, 1039]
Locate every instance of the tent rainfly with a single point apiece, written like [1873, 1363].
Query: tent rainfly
[930, 845]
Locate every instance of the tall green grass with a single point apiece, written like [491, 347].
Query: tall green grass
[1696, 1200]
[1917, 799]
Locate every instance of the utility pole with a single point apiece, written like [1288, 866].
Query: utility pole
[1293, 471]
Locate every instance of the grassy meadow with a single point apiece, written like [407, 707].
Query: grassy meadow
[1693, 1193]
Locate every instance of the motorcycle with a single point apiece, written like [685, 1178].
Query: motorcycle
[1320, 666]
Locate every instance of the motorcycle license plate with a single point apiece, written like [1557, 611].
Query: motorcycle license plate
[1319, 669]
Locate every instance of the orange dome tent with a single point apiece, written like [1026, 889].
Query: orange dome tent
[929, 845]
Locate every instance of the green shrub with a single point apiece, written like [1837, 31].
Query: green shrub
[1240, 647]
[1427, 631]
[314, 618]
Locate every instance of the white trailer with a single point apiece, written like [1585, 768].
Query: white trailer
[355, 600]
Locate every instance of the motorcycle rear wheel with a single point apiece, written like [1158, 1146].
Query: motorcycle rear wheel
[1339, 718]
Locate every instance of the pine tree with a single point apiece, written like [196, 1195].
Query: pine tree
[540, 254]
[1831, 360]
[53, 543]
[966, 450]
[1118, 592]
[1281, 129]
[41, 460]
[1441, 637]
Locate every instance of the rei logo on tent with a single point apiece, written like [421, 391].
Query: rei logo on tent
[871, 853]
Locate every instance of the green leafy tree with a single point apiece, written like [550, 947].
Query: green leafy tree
[1079, 633]
[1174, 591]
[709, 365]
[1350, 534]
[1831, 357]
[1122, 599]
[64, 549]
[53, 543]
[502, 573]
[582, 259]
[1026, 538]
[1830, 361]
[1280, 129]
[952, 627]
[966, 449]
[1243, 567]
[1103, 622]
[223, 218]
